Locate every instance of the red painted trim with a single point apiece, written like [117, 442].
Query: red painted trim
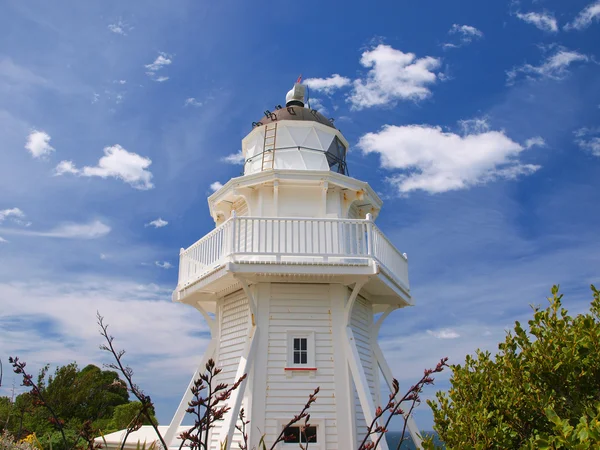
[300, 368]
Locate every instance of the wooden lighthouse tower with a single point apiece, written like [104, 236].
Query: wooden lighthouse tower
[294, 282]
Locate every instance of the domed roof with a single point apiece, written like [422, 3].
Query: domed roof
[296, 113]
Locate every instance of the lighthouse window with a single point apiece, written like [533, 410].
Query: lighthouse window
[295, 435]
[300, 351]
[336, 156]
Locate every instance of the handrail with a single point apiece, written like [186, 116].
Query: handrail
[291, 239]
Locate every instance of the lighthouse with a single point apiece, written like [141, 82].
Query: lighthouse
[294, 282]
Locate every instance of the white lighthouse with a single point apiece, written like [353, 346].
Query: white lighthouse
[294, 282]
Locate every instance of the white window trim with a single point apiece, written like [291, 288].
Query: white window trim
[319, 445]
[309, 335]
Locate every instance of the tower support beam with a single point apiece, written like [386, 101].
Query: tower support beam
[413, 429]
[238, 395]
[187, 396]
[360, 381]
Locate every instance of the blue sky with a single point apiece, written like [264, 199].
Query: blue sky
[477, 122]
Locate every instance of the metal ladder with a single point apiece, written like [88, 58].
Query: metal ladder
[268, 156]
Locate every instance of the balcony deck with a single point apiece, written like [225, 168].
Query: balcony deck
[287, 246]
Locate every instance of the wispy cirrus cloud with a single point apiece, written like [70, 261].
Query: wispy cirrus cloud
[163, 264]
[38, 144]
[545, 21]
[393, 76]
[556, 66]
[191, 101]
[68, 311]
[91, 230]
[120, 27]
[15, 215]
[585, 18]
[465, 34]
[444, 333]
[436, 161]
[14, 75]
[588, 139]
[11, 212]
[316, 103]
[162, 60]
[116, 163]
[157, 223]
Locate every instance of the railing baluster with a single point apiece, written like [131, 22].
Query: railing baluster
[291, 239]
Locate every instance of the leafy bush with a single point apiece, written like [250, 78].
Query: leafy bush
[541, 389]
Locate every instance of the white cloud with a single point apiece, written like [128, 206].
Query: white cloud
[162, 60]
[157, 223]
[3, 241]
[474, 126]
[192, 102]
[103, 256]
[466, 34]
[14, 213]
[450, 45]
[585, 18]
[65, 167]
[119, 27]
[70, 309]
[435, 161]
[38, 144]
[117, 163]
[216, 186]
[536, 141]
[544, 21]
[393, 75]
[327, 85]
[234, 158]
[316, 103]
[588, 139]
[554, 67]
[69, 230]
[163, 264]
[444, 333]
[466, 31]
[120, 81]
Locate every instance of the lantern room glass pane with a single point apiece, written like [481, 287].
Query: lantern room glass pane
[336, 156]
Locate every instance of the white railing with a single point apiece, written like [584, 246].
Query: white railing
[300, 240]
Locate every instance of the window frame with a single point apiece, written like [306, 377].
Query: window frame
[313, 422]
[310, 350]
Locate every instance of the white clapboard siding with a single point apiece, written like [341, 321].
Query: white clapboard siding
[353, 212]
[301, 307]
[234, 333]
[361, 322]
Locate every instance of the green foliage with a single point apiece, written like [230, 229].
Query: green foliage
[124, 415]
[7, 442]
[75, 396]
[90, 393]
[542, 388]
[585, 435]
[53, 440]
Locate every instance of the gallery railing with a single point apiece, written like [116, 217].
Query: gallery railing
[291, 240]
